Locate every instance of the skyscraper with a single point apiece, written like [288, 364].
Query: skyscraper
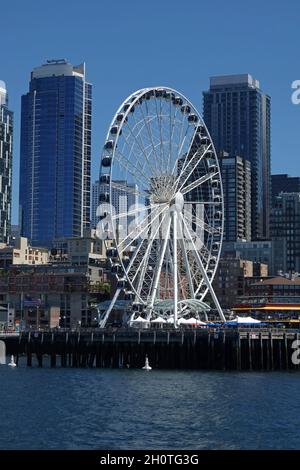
[237, 114]
[55, 160]
[236, 178]
[6, 140]
[285, 232]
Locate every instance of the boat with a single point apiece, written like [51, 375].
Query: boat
[12, 362]
[147, 366]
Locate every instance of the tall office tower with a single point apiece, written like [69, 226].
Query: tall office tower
[282, 183]
[285, 232]
[124, 197]
[237, 114]
[236, 179]
[55, 156]
[6, 140]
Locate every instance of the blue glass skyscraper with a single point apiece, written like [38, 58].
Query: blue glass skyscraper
[55, 159]
[6, 141]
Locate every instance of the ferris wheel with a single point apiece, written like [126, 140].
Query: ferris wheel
[161, 205]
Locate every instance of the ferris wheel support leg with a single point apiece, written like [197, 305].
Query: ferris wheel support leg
[102, 323]
[203, 272]
[190, 280]
[157, 276]
[175, 280]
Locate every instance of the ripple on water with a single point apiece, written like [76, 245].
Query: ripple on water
[130, 409]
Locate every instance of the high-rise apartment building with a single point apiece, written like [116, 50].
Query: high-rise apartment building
[6, 143]
[55, 160]
[236, 179]
[285, 231]
[237, 114]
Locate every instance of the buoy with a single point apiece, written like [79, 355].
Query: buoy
[12, 362]
[146, 366]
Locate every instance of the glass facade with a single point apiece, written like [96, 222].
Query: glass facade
[6, 141]
[55, 154]
[237, 114]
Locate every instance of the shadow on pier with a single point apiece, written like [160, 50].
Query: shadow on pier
[173, 349]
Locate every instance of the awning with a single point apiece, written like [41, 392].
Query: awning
[269, 307]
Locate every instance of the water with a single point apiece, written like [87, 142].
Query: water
[133, 409]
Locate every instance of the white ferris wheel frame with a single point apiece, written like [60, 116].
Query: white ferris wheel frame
[131, 102]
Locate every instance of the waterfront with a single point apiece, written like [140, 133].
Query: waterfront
[43, 408]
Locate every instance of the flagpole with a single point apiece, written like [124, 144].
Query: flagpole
[22, 309]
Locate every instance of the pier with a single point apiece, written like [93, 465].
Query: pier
[224, 349]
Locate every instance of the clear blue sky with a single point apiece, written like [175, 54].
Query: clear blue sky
[129, 44]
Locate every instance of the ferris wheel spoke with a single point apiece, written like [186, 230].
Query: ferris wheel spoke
[127, 189]
[142, 148]
[203, 252]
[161, 143]
[160, 263]
[171, 124]
[137, 158]
[130, 235]
[189, 148]
[180, 145]
[142, 228]
[150, 134]
[136, 175]
[198, 160]
[204, 274]
[196, 183]
[133, 212]
[200, 223]
[141, 225]
[134, 256]
[148, 251]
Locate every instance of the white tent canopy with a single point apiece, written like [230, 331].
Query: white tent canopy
[140, 320]
[245, 320]
[190, 321]
[158, 320]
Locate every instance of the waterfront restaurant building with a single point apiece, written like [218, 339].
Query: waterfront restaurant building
[276, 297]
